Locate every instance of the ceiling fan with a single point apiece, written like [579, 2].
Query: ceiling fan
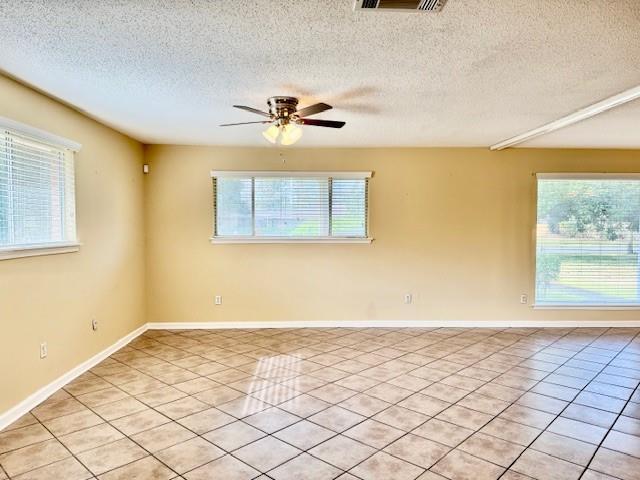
[285, 119]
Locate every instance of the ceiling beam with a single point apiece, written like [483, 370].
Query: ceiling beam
[575, 117]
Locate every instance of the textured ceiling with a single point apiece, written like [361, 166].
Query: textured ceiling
[168, 71]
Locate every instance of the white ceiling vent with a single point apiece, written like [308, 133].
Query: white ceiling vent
[400, 5]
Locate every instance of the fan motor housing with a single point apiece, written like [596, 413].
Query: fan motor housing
[282, 107]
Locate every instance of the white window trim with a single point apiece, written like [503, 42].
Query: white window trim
[38, 134]
[23, 251]
[580, 176]
[291, 240]
[307, 240]
[38, 250]
[289, 173]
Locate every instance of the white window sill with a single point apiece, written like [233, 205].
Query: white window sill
[37, 250]
[586, 307]
[221, 240]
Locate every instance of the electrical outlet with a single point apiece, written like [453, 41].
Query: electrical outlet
[408, 298]
[43, 350]
[94, 324]
[218, 300]
[524, 299]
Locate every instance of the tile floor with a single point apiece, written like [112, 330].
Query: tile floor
[348, 404]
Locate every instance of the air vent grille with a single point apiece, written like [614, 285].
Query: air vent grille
[400, 5]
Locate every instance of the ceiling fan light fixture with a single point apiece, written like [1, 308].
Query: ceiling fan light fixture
[291, 133]
[272, 133]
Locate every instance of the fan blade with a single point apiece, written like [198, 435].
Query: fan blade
[253, 110]
[322, 123]
[243, 123]
[313, 109]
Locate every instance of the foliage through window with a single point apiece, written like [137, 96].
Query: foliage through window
[37, 197]
[290, 205]
[588, 243]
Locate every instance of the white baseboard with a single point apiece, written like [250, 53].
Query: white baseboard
[392, 324]
[32, 401]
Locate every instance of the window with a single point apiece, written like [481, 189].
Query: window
[588, 245]
[290, 206]
[37, 200]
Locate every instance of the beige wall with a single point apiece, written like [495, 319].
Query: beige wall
[451, 226]
[53, 298]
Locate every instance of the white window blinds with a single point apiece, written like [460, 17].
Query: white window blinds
[37, 199]
[587, 240]
[290, 205]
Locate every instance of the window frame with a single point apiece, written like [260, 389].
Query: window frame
[12, 127]
[239, 239]
[534, 255]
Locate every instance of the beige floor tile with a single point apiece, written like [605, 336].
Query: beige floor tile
[527, 416]
[304, 467]
[545, 467]
[266, 454]
[458, 465]
[464, 417]
[565, 448]
[206, 420]
[147, 468]
[160, 396]
[424, 404]
[120, 408]
[91, 437]
[188, 455]
[615, 464]
[304, 405]
[443, 432]
[484, 404]
[162, 437]
[182, 408]
[579, 430]
[593, 475]
[401, 418]
[101, 397]
[304, 435]
[410, 382]
[342, 452]
[226, 467]
[139, 422]
[271, 420]
[365, 405]
[24, 421]
[110, 456]
[336, 418]
[383, 465]
[590, 415]
[374, 434]
[67, 469]
[389, 393]
[72, 423]
[243, 406]
[332, 393]
[417, 450]
[218, 395]
[47, 411]
[511, 431]
[444, 392]
[31, 457]
[627, 425]
[623, 442]
[86, 386]
[492, 449]
[22, 437]
[234, 435]
[196, 385]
